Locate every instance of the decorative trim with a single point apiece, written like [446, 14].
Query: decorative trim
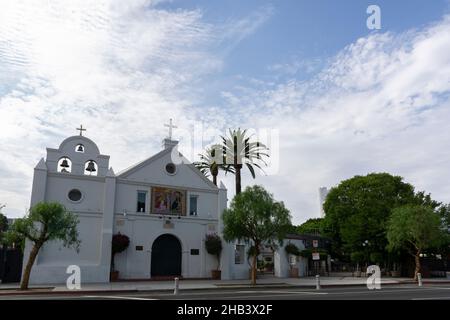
[88, 213]
[159, 217]
[75, 176]
[148, 184]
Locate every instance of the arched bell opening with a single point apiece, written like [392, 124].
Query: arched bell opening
[91, 168]
[64, 165]
[79, 148]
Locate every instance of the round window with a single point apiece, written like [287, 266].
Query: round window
[75, 195]
[171, 168]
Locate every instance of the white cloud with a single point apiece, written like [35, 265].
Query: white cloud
[122, 69]
[382, 105]
[237, 29]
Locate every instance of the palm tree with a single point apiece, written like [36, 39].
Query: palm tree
[240, 150]
[210, 162]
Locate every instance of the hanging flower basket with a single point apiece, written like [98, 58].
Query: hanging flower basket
[120, 243]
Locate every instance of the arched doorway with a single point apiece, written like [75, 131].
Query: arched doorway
[166, 256]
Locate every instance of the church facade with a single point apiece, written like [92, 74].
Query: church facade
[166, 210]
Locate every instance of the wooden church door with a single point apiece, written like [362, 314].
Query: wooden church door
[166, 256]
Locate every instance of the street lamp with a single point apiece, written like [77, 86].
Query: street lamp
[366, 246]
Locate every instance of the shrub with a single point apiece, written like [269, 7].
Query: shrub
[292, 249]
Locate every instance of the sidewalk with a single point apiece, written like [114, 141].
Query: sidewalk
[133, 286]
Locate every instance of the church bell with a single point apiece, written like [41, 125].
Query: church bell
[91, 167]
[64, 164]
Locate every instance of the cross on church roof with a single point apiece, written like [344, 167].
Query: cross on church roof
[170, 126]
[81, 129]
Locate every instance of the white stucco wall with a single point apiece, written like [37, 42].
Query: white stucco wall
[108, 206]
[144, 229]
[281, 259]
[89, 228]
[51, 185]
[92, 188]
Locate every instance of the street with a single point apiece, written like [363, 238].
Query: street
[391, 292]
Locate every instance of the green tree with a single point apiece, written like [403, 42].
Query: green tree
[3, 224]
[311, 226]
[357, 257]
[8, 238]
[212, 161]
[444, 213]
[45, 221]
[357, 211]
[376, 257]
[415, 228]
[255, 217]
[239, 150]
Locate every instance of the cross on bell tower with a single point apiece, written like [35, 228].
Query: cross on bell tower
[170, 126]
[81, 129]
[168, 143]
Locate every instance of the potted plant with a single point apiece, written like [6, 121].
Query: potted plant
[292, 251]
[213, 245]
[120, 243]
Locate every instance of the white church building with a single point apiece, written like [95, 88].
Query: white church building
[166, 210]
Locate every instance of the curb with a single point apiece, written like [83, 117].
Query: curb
[52, 292]
[226, 287]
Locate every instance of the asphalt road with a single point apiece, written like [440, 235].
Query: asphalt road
[391, 292]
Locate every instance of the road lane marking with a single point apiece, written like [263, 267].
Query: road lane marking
[232, 293]
[386, 291]
[119, 297]
[238, 297]
[435, 298]
[284, 292]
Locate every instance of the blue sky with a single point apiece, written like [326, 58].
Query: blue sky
[306, 29]
[342, 99]
[298, 30]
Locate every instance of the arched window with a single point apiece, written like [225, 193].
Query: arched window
[64, 165]
[79, 148]
[90, 168]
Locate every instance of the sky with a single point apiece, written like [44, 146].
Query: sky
[338, 98]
